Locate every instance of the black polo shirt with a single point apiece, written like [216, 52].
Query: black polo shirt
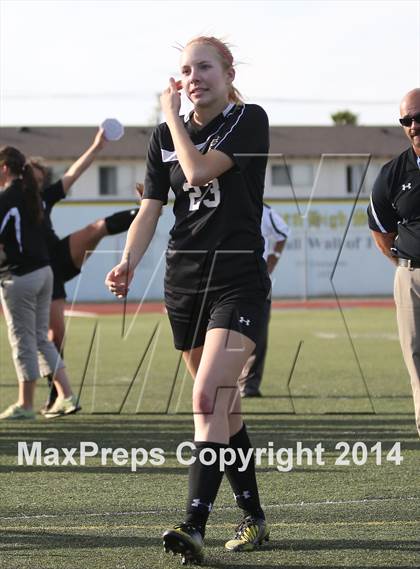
[395, 204]
[24, 240]
[216, 240]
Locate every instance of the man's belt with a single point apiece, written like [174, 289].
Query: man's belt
[408, 263]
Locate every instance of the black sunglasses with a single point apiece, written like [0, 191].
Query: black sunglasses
[407, 120]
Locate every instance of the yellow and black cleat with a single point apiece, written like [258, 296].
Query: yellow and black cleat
[186, 540]
[250, 534]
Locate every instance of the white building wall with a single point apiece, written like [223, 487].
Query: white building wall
[86, 187]
[125, 180]
[320, 258]
[329, 178]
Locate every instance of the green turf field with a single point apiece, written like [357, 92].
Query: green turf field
[102, 516]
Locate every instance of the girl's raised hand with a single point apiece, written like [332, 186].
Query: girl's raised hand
[170, 99]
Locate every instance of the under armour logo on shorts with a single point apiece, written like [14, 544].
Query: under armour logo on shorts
[243, 320]
[406, 187]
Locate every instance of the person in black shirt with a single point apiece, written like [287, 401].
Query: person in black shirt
[217, 287]
[25, 288]
[68, 254]
[394, 218]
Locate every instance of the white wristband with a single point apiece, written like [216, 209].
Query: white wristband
[276, 254]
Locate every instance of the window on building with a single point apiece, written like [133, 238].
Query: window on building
[279, 176]
[302, 175]
[354, 175]
[107, 181]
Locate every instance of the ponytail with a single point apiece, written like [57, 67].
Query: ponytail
[32, 195]
[235, 96]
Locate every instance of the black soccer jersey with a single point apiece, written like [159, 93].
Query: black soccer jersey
[24, 240]
[50, 196]
[395, 203]
[216, 240]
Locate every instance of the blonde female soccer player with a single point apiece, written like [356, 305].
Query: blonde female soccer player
[217, 287]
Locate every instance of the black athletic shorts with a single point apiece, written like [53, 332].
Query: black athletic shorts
[191, 315]
[63, 267]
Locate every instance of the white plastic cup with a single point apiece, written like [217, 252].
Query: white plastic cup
[113, 129]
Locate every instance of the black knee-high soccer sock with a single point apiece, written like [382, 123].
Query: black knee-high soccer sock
[244, 483]
[120, 221]
[204, 483]
[52, 393]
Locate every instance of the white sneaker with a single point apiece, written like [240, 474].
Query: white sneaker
[63, 406]
[16, 412]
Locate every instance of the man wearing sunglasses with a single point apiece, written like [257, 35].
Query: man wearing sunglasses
[394, 218]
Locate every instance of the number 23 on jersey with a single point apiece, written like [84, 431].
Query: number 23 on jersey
[208, 195]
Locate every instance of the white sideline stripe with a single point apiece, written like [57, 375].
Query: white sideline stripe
[227, 508]
[294, 431]
[80, 314]
[363, 335]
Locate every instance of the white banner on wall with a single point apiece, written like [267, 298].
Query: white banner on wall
[315, 261]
